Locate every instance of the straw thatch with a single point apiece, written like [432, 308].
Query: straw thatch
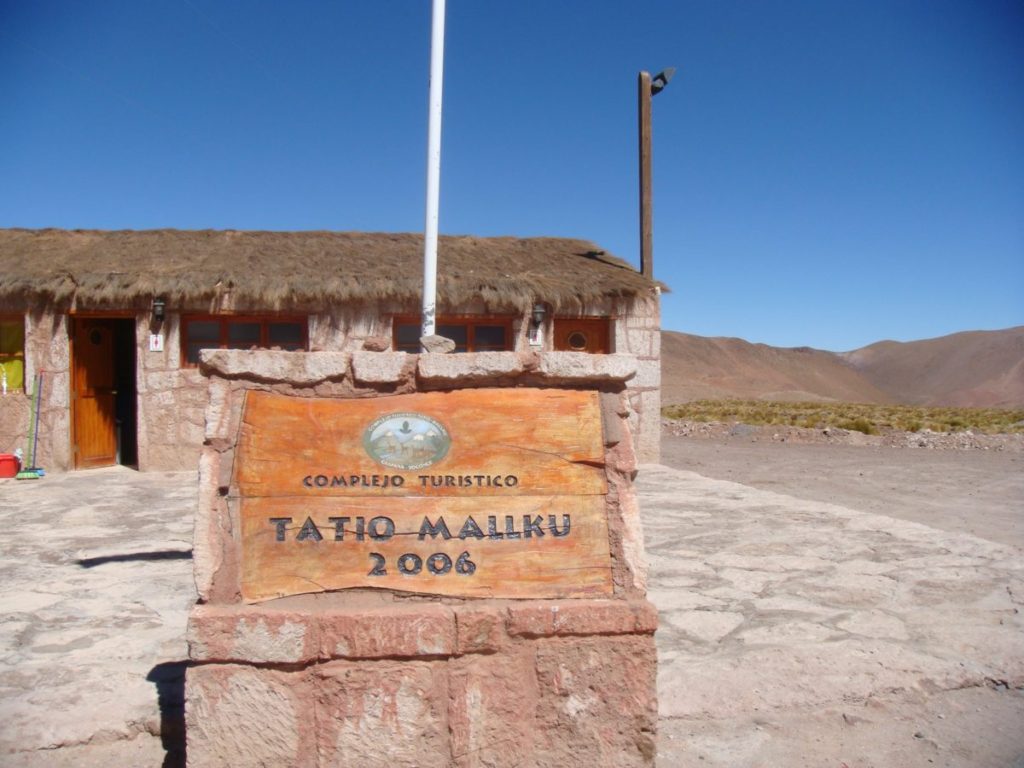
[277, 269]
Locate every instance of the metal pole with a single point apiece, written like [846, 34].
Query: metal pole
[644, 133]
[433, 170]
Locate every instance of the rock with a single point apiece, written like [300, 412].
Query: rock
[438, 345]
[576, 366]
[377, 344]
[379, 367]
[473, 366]
[300, 369]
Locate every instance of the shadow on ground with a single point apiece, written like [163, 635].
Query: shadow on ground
[169, 678]
[165, 554]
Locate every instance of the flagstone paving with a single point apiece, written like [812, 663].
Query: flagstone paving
[771, 605]
[97, 576]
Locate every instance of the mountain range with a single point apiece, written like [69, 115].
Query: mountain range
[972, 369]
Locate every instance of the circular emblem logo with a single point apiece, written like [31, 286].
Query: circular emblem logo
[406, 440]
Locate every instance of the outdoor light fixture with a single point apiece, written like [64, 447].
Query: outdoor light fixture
[538, 315]
[660, 80]
[535, 333]
[159, 305]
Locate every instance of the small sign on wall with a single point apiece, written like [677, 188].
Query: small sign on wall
[156, 342]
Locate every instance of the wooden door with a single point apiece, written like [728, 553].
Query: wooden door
[93, 390]
[582, 334]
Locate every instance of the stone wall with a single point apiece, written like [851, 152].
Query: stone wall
[369, 677]
[638, 333]
[47, 351]
[171, 399]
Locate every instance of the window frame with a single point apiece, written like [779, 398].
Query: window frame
[469, 321]
[21, 354]
[224, 321]
[603, 326]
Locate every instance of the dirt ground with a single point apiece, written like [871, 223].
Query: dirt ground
[971, 490]
[966, 492]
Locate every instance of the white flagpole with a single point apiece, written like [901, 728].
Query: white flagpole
[433, 170]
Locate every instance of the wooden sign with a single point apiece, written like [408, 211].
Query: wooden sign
[481, 492]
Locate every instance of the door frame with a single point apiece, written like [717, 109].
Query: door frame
[73, 316]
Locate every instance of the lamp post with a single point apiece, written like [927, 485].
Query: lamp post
[647, 87]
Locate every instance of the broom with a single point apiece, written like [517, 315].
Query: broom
[32, 473]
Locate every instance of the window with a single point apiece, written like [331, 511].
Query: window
[288, 333]
[482, 334]
[582, 334]
[12, 352]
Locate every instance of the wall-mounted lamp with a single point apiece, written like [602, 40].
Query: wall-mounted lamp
[159, 305]
[535, 336]
[538, 314]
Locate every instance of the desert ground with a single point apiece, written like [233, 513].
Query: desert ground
[822, 604]
[962, 484]
[757, 666]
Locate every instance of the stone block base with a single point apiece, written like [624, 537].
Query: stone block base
[488, 683]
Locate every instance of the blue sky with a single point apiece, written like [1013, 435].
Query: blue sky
[825, 173]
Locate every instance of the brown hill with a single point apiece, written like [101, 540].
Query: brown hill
[697, 367]
[976, 368]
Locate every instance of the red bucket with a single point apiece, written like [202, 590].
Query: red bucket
[9, 465]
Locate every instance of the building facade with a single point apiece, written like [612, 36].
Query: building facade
[111, 323]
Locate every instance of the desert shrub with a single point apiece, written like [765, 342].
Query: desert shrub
[860, 424]
[856, 416]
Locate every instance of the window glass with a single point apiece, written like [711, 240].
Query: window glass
[490, 334]
[243, 335]
[577, 340]
[284, 335]
[457, 333]
[12, 353]
[240, 333]
[204, 330]
[192, 350]
[200, 334]
[489, 337]
[407, 337]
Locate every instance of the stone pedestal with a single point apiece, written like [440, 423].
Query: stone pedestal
[370, 676]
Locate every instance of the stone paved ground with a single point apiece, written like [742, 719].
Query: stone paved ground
[784, 621]
[793, 632]
[97, 582]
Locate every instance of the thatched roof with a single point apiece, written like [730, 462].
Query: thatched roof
[276, 269]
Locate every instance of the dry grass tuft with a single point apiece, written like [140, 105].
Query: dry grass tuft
[860, 417]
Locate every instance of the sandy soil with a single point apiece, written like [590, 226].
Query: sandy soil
[974, 491]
